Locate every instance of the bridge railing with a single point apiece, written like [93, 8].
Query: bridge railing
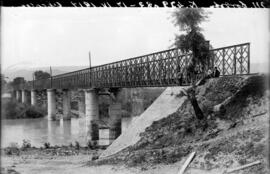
[233, 59]
[156, 69]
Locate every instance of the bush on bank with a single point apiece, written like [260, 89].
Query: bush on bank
[14, 110]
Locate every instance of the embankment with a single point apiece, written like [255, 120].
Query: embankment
[168, 130]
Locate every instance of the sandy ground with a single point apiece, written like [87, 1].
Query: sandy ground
[77, 164]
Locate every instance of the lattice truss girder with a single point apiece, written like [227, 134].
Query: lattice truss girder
[157, 69]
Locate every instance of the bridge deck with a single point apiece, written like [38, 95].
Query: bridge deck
[156, 69]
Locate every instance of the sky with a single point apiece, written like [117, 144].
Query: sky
[39, 37]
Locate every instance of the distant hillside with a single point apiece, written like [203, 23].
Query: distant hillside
[28, 72]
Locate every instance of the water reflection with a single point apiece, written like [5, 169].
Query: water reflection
[39, 131]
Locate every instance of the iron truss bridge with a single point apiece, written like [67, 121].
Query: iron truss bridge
[151, 70]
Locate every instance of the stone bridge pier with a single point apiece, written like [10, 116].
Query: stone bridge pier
[110, 132]
[92, 114]
[51, 99]
[33, 97]
[66, 104]
[18, 95]
[26, 96]
[115, 111]
[81, 104]
[52, 104]
[88, 107]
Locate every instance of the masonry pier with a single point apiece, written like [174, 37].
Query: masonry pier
[23, 96]
[33, 97]
[108, 133]
[81, 104]
[18, 95]
[66, 104]
[51, 99]
[91, 114]
[115, 119]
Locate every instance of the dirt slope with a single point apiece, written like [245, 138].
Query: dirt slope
[233, 137]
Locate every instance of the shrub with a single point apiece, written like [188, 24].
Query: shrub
[89, 144]
[47, 145]
[13, 110]
[92, 144]
[26, 144]
[77, 145]
[13, 148]
[34, 112]
[94, 157]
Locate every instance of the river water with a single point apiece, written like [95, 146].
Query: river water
[39, 131]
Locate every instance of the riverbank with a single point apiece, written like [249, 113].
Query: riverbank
[70, 160]
[28, 159]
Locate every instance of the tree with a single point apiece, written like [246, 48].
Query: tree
[194, 42]
[41, 75]
[3, 80]
[18, 81]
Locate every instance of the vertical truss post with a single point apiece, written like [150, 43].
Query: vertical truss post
[223, 61]
[248, 54]
[234, 60]
[241, 59]
[178, 68]
[148, 70]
